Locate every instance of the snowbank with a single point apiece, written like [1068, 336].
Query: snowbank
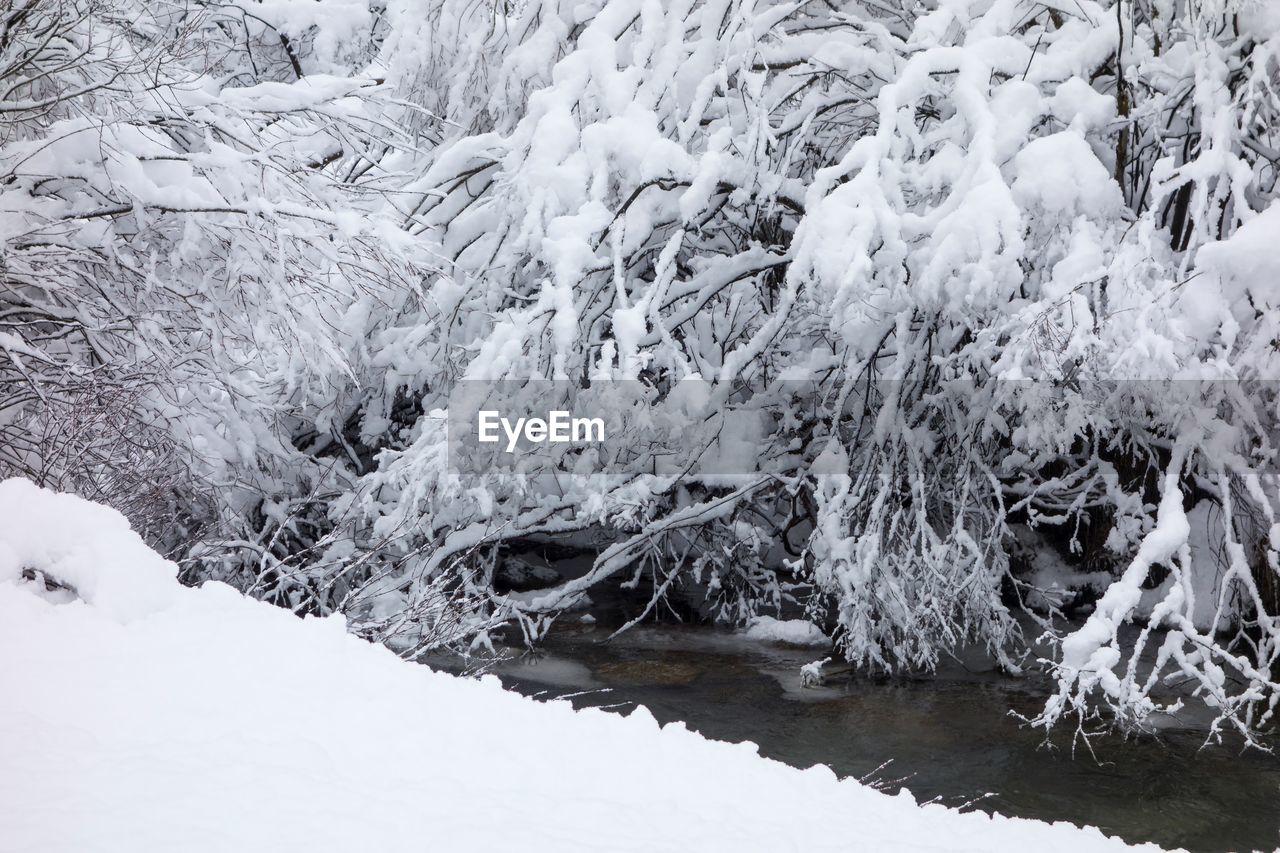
[79, 547]
[792, 632]
[202, 720]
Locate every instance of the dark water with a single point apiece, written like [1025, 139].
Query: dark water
[949, 737]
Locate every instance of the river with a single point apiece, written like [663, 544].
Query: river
[949, 737]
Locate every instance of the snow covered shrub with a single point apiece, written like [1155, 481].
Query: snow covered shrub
[971, 227]
[75, 394]
[91, 433]
[910, 272]
[198, 250]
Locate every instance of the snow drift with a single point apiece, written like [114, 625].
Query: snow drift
[199, 719]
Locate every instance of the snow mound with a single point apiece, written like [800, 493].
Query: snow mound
[80, 549]
[1247, 258]
[221, 723]
[793, 632]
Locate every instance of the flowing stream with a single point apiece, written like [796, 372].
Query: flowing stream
[949, 737]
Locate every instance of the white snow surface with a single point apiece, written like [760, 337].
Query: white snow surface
[201, 720]
[85, 546]
[793, 632]
[1247, 258]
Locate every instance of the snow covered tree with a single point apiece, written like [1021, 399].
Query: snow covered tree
[980, 222]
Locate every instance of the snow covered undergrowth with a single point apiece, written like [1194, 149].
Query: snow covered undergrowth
[140, 715]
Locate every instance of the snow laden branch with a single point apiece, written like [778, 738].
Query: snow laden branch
[1236, 679]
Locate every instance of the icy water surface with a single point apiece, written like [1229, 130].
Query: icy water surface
[949, 737]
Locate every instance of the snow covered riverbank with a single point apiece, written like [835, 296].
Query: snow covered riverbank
[146, 716]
